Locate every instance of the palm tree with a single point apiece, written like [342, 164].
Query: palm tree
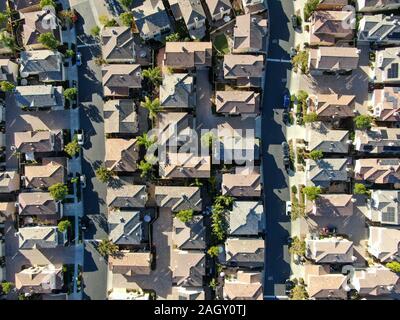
[146, 141]
[107, 248]
[153, 74]
[152, 106]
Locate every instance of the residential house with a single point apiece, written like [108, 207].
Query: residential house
[40, 97]
[245, 182]
[323, 285]
[9, 181]
[7, 211]
[331, 106]
[38, 23]
[174, 128]
[8, 70]
[333, 60]
[244, 103]
[326, 171]
[188, 293]
[254, 6]
[376, 281]
[177, 91]
[384, 207]
[125, 194]
[380, 29]
[377, 140]
[188, 55]
[370, 6]
[127, 294]
[120, 117]
[245, 253]
[151, 19]
[40, 237]
[40, 205]
[249, 34]
[38, 142]
[219, 9]
[320, 137]
[192, 12]
[332, 4]
[246, 218]
[245, 70]
[331, 206]
[188, 268]
[386, 69]
[40, 279]
[378, 171]
[243, 286]
[185, 165]
[26, 5]
[189, 235]
[47, 65]
[122, 155]
[130, 263]
[50, 172]
[119, 79]
[120, 46]
[384, 243]
[330, 250]
[126, 227]
[330, 27]
[178, 198]
[386, 105]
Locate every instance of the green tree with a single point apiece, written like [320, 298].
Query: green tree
[298, 246]
[146, 141]
[299, 292]
[70, 53]
[45, 3]
[224, 201]
[95, 31]
[218, 223]
[185, 215]
[309, 7]
[173, 37]
[145, 168]
[58, 191]
[72, 148]
[107, 22]
[300, 61]
[104, 174]
[64, 225]
[310, 117]
[70, 93]
[107, 248]
[213, 251]
[298, 210]
[213, 283]
[48, 40]
[6, 287]
[7, 41]
[394, 266]
[6, 86]
[363, 122]
[152, 106]
[153, 74]
[360, 188]
[4, 17]
[126, 19]
[316, 154]
[208, 138]
[312, 192]
[126, 3]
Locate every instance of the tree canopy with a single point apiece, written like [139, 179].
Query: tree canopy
[58, 191]
[6, 86]
[185, 215]
[363, 122]
[316, 154]
[126, 19]
[312, 192]
[64, 225]
[72, 148]
[103, 174]
[107, 248]
[48, 40]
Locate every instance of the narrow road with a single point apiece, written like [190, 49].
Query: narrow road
[276, 191]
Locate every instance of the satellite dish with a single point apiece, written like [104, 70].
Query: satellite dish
[147, 218]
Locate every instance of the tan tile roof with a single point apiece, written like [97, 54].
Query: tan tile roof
[189, 235]
[36, 141]
[37, 204]
[118, 44]
[243, 183]
[376, 281]
[334, 58]
[330, 250]
[119, 78]
[320, 137]
[243, 66]
[246, 218]
[178, 198]
[7, 210]
[378, 170]
[237, 102]
[331, 205]
[130, 263]
[247, 251]
[385, 68]
[377, 139]
[40, 279]
[328, 105]
[173, 126]
[38, 237]
[216, 5]
[177, 91]
[122, 155]
[322, 285]
[124, 193]
[244, 286]
[384, 243]
[185, 165]
[186, 55]
[188, 268]
[46, 175]
[386, 104]
[384, 207]
[249, 33]
[120, 116]
[9, 181]
[325, 171]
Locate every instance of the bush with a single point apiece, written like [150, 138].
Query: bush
[72, 148]
[173, 37]
[312, 192]
[300, 61]
[294, 189]
[363, 122]
[6, 287]
[126, 19]
[394, 266]
[309, 8]
[310, 117]
[298, 247]
[299, 292]
[316, 154]
[359, 188]
[58, 191]
[103, 174]
[70, 93]
[185, 215]
[95, 31]
[213, 251]
[48, 40]
[64, 225]
[45, 3]
[6, 86]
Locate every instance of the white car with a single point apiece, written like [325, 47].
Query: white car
[79, 136]
[83, 181]
[78, 59]
[288, 208]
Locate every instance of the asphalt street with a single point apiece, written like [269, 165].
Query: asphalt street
[276, 191]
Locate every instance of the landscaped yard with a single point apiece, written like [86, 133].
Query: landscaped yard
[221, 44]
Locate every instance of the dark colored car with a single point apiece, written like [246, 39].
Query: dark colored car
[293, 19]
[285, 117]
[286, 102]
[285, 149]
[289, 285]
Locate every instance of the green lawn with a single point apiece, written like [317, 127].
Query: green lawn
[221, 44]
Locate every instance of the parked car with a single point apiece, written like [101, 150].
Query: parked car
[293, 19]
[285, 117]
[80, 137]
[289, 285]
[83, 181]
[288, 208]
[285, 149]
[286, 101]
[78, 59]
[292, 52]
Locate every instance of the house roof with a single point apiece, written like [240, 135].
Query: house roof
[246, 252]
[215, 6]
[322, 285]
[249, 33]
[40, 279]
[8, 70]
[385, 206]
[237, 102]
[130, 263]
[176, 91]
[387, 65]
[188, 268]
[186, 55]
[378, 170]
[328, 105]
[45, 63]
[119, 78]
[320, 137]
[38, 141]
[122, 155]
[7, 210]
[40, 96]
[243, 286]
[334, 58]
[377, 140]
[384, 243]
[376, 281]
[45, 175]
[379, 28]
[118, 44]
[9, 181]
[122, 193]
[151, 17]
[189, 293]
[185, 165]
[245, 182]
[189, 235]
[246, 218]
[178, 198]
[331, 205]
[38, 237]
[386, 104]
[330, 250]
[174, 128]
[37, 204]
[323, 172]
[190, 10]
[243, 66]
[120, 116]
[125, 227]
